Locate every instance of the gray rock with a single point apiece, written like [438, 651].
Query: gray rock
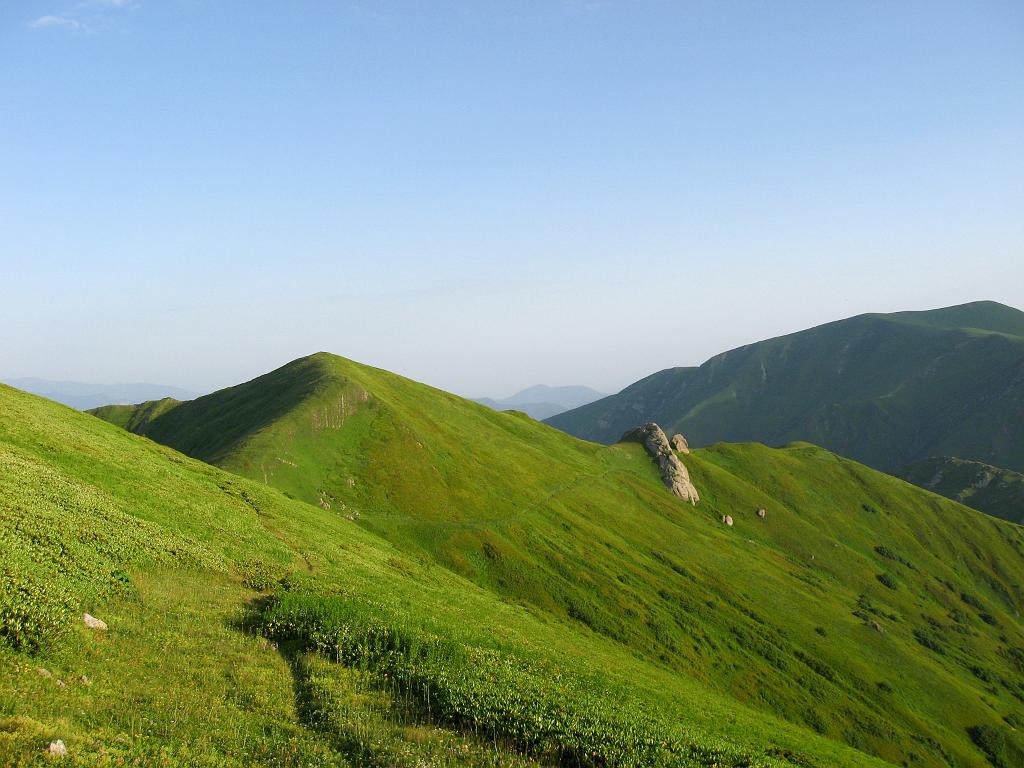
[673, 472]
[57, 749]
[761, 513]
[93, 623]
[727, 519]
[44, 672]
[679, 443]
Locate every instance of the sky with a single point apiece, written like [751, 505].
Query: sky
[488, 195]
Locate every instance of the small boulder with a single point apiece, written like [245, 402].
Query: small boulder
[93, 623]
[57, 749]
[762, 512]
[85, 681]
[679, 443]
[727, 519]
[43, 671]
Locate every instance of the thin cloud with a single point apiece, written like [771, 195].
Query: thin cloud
[96, 11]
[65, 22]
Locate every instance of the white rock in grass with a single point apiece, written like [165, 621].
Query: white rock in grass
[57, 749]
[727, 519]
[92, 622]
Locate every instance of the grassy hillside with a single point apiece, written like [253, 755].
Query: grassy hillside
[995, 491]
[135, 418]
[246, 628]
[886, 390]
[860, 608]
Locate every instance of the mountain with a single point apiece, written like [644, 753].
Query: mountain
[998, 492]
[885, 389]
[83, 395]
[541, 401]
[538, 411]
[859, 608]
[245, 628]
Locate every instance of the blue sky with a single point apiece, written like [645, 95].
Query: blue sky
[486, 195]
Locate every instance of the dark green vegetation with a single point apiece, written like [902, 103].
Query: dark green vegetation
[886, 390]
[998, 492]
[860, 608]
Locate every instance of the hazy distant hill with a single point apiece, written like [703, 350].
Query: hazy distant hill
[860, 608]
[541, 401]
[999, 492]
[885, 389]
[83, 395]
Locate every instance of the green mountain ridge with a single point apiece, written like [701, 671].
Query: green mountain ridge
[886, 390]
[995, 491]
[858, 594]
[184, 562]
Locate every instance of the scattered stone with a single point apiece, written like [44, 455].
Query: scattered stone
[762, 512]
[673, 471]
[85, 681]
[57, 749]
[875, 625]
[44, 672]
[679, 443]
[727, 519]
[93, 623]
[61, 684]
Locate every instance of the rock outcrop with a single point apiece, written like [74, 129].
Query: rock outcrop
[93, 623]
[673, 471]
[679, 443]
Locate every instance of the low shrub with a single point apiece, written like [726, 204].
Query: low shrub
[544, 712]
[929, 640]
[889, 554]
[887, 580]
[992, 743]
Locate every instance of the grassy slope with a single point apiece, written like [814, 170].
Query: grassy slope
[171, 552]
[876, 388]
[995, 491]
[589, 533]
[135, 418]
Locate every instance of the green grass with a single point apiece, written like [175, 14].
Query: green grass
[185, 563]
[136, 418]
[785, 616]
[886, 390]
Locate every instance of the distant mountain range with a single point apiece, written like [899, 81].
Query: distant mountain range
[884, 389]
[541, 401]
[83, 395]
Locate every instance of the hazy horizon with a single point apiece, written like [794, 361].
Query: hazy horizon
[488, 196]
